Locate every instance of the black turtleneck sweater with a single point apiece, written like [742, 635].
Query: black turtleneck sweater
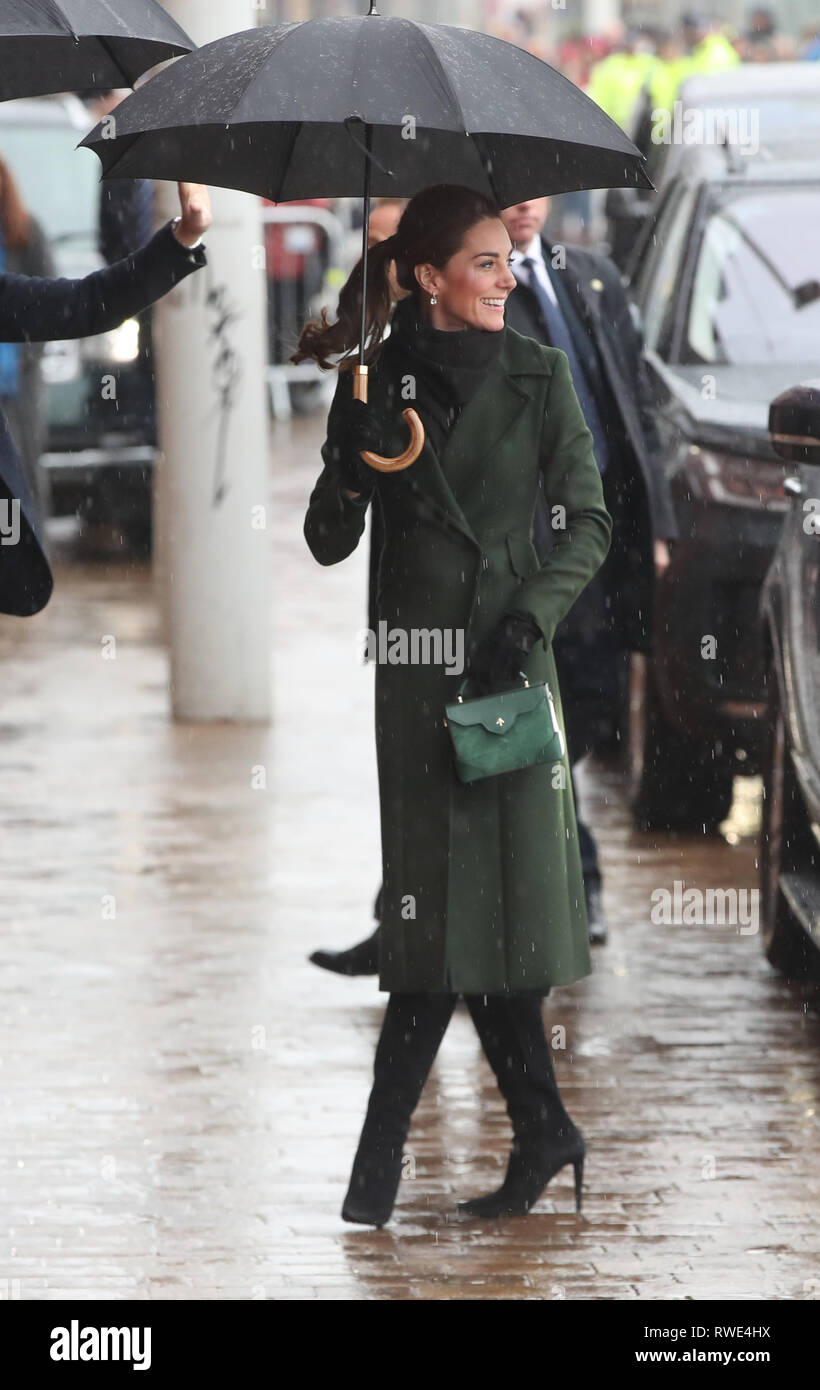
[449, 367]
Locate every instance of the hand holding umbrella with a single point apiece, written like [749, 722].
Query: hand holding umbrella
[196, 218]
[354, 438]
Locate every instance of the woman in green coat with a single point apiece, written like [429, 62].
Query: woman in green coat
[483, 890]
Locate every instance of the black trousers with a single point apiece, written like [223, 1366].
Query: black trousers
[511, 1031]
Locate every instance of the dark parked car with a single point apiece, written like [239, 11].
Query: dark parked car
[101, 432]
[755, 104]
[790, 837]
[726, 283]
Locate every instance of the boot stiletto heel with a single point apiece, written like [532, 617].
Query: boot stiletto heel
[532, 1166]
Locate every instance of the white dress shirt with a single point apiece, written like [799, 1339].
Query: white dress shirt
[535, 250]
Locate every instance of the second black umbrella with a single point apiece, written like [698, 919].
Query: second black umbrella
[73, 45]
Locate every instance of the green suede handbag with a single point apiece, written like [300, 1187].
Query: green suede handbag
[504, 732]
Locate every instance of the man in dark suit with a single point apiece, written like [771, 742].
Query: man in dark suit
[573, 299]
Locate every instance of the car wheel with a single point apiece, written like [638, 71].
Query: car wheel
[675, 782]
[782, 829]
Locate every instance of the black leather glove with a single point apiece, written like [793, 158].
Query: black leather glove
[354, 429]
[497, 660]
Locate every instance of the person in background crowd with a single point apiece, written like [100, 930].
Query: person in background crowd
[24, 250]
[617, 81]
[296, 262]
[706, 47]
[696, 47]
[761, 42]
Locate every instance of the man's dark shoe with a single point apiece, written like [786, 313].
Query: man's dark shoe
[362, 959]
[595, 912]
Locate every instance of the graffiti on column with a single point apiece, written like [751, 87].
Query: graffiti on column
[226, 375]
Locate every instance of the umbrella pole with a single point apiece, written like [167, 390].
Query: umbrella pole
[360, 372]
[414, 448]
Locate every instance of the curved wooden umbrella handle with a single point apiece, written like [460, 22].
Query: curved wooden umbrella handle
[414, 448]
[408, 456]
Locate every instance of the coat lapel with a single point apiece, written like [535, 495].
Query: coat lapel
[424, 480]
[483, 426]
[479, 432]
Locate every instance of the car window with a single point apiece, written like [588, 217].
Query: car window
[656, 286]
[59, 183]
[755, 294]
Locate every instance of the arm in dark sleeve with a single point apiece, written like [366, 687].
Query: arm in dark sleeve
[334, 522]
[573, 483]
[39, 311]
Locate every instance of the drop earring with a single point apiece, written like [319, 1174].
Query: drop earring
[433, 299]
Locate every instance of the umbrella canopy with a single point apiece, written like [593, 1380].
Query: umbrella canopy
[283, 110]
[371, 104]
[69, 45]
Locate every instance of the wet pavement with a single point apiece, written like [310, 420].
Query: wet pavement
[182, 1092]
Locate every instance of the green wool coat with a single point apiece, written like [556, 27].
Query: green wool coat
[483, 889]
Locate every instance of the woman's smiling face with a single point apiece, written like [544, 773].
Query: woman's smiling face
[472, 288]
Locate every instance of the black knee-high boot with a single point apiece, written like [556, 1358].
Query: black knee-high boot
[545, 1139]
[413, 1027]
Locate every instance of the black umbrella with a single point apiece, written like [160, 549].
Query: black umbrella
[340, 106]
[72, 45]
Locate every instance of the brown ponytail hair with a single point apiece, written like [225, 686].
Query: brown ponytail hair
[432, 229]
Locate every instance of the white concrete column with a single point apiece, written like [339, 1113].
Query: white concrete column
[212, 544]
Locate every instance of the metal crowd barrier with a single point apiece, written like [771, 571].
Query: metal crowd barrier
[280, 375]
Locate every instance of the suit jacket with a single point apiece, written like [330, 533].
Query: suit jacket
[36, 310]
[636, 490]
